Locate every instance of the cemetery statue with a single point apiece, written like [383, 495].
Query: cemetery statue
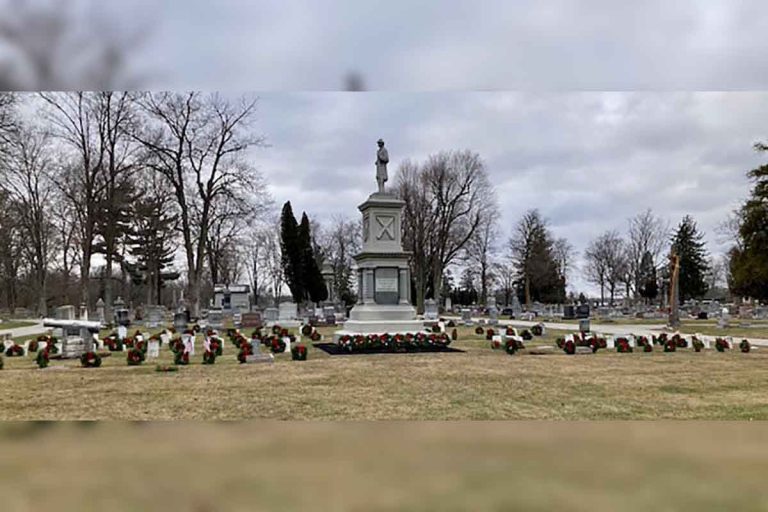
[382, 159]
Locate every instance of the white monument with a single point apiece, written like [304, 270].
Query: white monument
[383, 280]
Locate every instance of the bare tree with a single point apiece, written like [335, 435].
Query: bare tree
[564, 255]
[506, 276]
[266, 260]
[606, 263]
[26, 180]
[197, 143]
[73, 119]
[445, 200]
[647, 234]
[483, 246]
[338, 245]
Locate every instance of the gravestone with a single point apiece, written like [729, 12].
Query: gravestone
[216, 319]
[466, 316]
[448, 304]
[271, 315]
[122, 332]
[189, 344]
[516, 307]
[584, 325]
[100, 310]
[180, 321]
[430, 310]
[251, 320]
[65, 312]
[259, 358]
[493, 312]
[569, 312]
[582, 311]
[77, 338]
[155, 315]
[287, 312]
[153, 348]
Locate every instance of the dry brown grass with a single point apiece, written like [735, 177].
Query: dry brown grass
[478, 384]
[409, 466]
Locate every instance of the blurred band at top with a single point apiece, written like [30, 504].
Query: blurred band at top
[397, 45]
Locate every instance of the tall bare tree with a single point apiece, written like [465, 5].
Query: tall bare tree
[647, 234]
[606, 263]
[445, 199]
[198, 143]
[73, 118]
[26, 179]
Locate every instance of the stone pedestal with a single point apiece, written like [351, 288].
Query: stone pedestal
[383, 304]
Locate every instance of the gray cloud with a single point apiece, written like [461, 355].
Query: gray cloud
[588, 161]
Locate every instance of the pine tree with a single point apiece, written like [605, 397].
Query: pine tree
[649, 286]
[749, 258]
[532, 251]
[314, 284]
[689, 245]
[292, 254]
[150, 242]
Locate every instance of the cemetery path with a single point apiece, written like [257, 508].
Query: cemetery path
[613, 329]
[24, 331]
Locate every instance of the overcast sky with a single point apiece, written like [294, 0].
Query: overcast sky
[457, 44]
[587, 160]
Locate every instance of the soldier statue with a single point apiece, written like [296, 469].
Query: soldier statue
[382, 159]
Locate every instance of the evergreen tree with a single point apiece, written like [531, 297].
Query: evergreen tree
[314, 284]
[532, 251]
[649, 286]
[150, 242]
[292, 254]
[689, 245]
[749, 258]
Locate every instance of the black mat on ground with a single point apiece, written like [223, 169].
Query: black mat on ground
[333, 349]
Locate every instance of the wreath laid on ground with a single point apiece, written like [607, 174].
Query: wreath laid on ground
[697, 344]
[450, 323]
[537, 330]
[680, 341]
[306, 330]
[479, 331]
[623, 346]
[209, 357]
[135, 357]
[216, 345]
[596, 343]
[315, 336]
[642, 341]
[299, 353]
[560, 342]
[246, 349]
[527, 335]
[721, 344]
[14, 350]
[436, 329]
[90, 360]
[33, 346]
[114, 344]
[670, 345]
[745, 346]
[176, 345]
[128, 342]
[660, 340]
[511, 347]
[181, 358]
[398, 342]
[511, 331]
[42, 359]
[277, 345]
[489, 334]
[569, 347]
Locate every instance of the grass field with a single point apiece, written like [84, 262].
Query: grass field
[393, 466]
[14, 324]
[478, 384]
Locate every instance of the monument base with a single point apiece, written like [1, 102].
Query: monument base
[380, 319]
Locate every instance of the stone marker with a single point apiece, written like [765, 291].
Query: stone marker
[153, 349]
[271, 315]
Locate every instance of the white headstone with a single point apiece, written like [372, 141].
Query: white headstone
[189, 344]
[153, 349]
[122, 332]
